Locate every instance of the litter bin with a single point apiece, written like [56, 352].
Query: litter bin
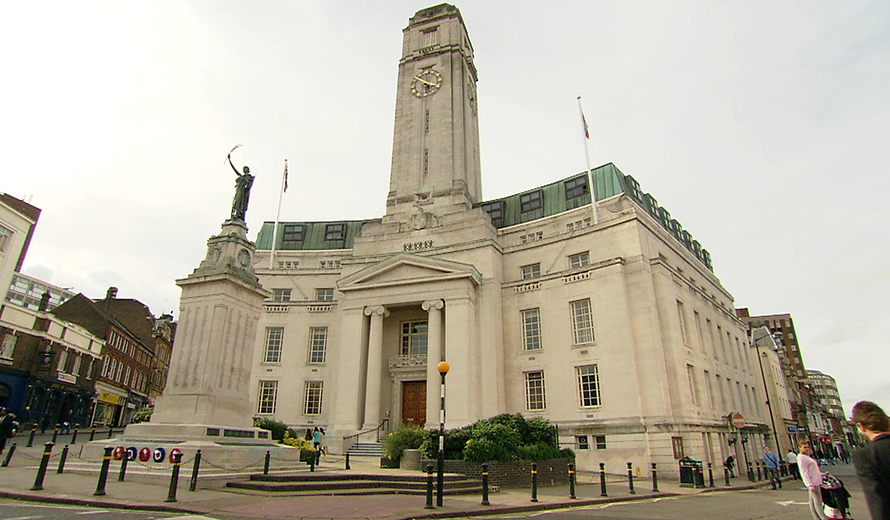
[691, 473]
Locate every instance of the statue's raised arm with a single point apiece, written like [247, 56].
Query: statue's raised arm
[242, 189]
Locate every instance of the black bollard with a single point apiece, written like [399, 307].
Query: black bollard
[55, 434]
[110, 432]
[630, 478]
[534, 481]
[31, 438]
[92, 434]
[347, 460]
[699, 477]
[103, 473]
[603, 480]
[759, 475]
[654, 479]
[750, 473]
[572, 481]
[711, 474]
[726, 474]
[266, 463]
[174, 478]
[41, 471]
[123, 473]
[485, 501]
[9, 454]
[74, 435]
[193, 482]
[429, 487]
[62, 460]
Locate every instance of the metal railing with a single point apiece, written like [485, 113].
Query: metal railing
[383, 426]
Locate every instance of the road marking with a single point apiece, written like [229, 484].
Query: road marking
[792, 502]
[24, 518]
[99, 512]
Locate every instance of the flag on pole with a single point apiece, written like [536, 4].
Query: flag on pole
[285, 175]
[584, 124]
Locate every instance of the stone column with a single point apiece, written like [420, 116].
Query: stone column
[434, 354]
[375, 366]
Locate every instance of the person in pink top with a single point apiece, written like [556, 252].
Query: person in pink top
[812, 479]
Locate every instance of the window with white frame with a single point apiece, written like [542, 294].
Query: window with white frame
[273, 343]
[318, 343]
[600, 442]
[581, 442]
[312, 401]
[414, 338]
[588, 385]
[531, 329]
[693, 385]
[579, 260]
[281, 295]
[267, 397]
[531, 271]
[582, 321]
[430, 37]
[8, 346]
[534, 391]
[324, 295]
[5, 237]
[63, 359]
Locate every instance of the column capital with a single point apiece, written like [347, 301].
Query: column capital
[380, 310]
[433, 304]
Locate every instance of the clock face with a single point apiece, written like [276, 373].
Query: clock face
[426, 82]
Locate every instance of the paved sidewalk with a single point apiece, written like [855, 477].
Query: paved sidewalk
[147, 488]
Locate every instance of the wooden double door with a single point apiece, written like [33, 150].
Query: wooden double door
[414, 403]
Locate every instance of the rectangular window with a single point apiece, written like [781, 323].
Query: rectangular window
[531, 271]
[579, 260]
[8, 346]
[120, 368]
[581, 442]
[334, 232]
[696, 318]
[531, 329]
[324, 295]
[268, 397]
[5, 237]
[281, 295]
[600, 442]
[318, 343]
[681, 312]
[414, 338]
[693, 387]
[576, 187]
[292, 237]
[531, 237]
[582, 321]
[274, 340]
[709, 389]
[430, 37]
[495, 210]
[677, 445]
[312, 402]
[588, 385]
[63, 360]
[75, 369]
[530, 201]
[534, 391]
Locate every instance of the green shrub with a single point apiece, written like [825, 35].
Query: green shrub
[539, 451]
[277, 428]
[403, 438]
[142, 415]
[296, 442]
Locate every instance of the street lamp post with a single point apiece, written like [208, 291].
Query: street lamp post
[440, 475]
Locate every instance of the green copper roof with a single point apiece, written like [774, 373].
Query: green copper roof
[544, 201]
[339, 234]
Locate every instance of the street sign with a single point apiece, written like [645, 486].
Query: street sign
[792, 429]
[738, 420]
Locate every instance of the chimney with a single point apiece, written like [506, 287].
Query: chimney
[111, 294]
[44, 302]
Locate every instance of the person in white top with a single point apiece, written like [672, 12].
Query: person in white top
[791, 460]
[812, 479]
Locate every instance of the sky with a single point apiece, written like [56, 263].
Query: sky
[761, 126]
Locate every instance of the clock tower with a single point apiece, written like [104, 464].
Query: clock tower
[435, 152]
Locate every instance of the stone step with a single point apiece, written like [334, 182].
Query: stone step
[355, 486]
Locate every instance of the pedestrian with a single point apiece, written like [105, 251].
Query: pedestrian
[730, 464]
[812, 479]
[791, 460]
[44, 424]
[316, 438]
[7, 427]
[771, 463]
[872, 461]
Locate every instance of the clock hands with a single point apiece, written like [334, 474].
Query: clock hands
[425, 82]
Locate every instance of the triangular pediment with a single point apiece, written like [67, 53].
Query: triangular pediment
[404, 269]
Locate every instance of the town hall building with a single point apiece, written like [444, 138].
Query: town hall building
[586, 305]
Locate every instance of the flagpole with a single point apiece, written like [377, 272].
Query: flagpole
[585, 132]
[278, 216]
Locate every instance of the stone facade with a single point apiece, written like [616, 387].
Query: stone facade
[618, 332]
